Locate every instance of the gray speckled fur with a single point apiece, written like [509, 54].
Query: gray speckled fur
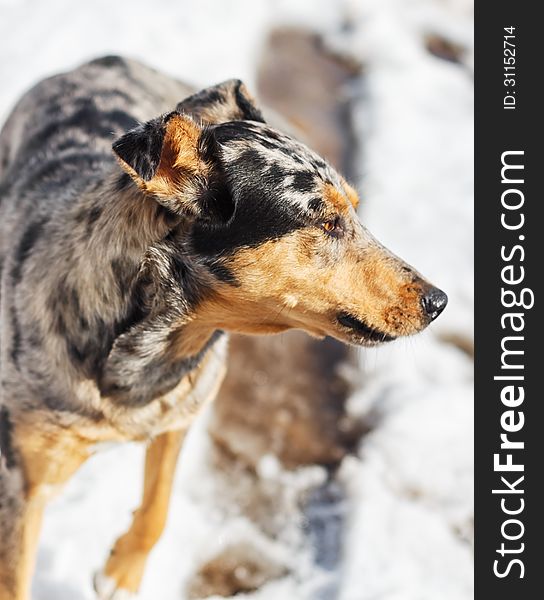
[80, 319]
[58, 238]
[101, 282]
[73, 238]
[116, 276]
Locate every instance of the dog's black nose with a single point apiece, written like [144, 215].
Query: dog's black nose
[434, 302]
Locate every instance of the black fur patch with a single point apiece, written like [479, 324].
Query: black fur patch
[183, 276]
[276, 174]
[262, 211]
[58, 324]
[88, 342]
[123, 182]
[92, 217]
[141, 147]
[63, 170]
[218, 94]
[34, 338]
[249, 110]
[27, 242]
[219, 270]
[253, 159]
[316, 204]
[70, 144]
[304, 181]
[73, 305]
[202, 98]
[57, 304]
[57, 404]
[6, 448]
[257, 219]
[159, 378]
[76, 353]
[63, 405]
[216, 202]
[88, 119]
[111, 60]
[123, 273]
[16, 340]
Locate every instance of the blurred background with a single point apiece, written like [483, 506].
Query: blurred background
[321, 472]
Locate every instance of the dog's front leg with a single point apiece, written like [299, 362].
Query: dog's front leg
[37, 459]
[125, 567]
[19, 522]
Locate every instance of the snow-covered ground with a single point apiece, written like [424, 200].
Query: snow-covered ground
[409, 492]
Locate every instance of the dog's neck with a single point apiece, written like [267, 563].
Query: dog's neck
[136, 297]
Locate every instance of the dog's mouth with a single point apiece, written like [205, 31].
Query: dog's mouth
[362, 330]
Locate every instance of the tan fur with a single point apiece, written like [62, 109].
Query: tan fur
[310, 288]
[189, 338]
[335, 199]
[179, 157]
[180, 170]
[49, 457]
[303, 280]
[352, 195]
[129, 554]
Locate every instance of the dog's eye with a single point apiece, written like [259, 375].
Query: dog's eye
[332, 227]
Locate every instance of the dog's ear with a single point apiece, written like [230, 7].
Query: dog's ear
[175, 160]
[140, 148]
[227, 101]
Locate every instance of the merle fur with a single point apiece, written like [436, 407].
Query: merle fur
[6, 449]
[261, 186]
[141, 147]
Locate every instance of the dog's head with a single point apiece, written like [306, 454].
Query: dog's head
[274, 224]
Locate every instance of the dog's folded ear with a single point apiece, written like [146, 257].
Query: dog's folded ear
[174, 156]
[140, 149]
[227, 101]
[174, 160]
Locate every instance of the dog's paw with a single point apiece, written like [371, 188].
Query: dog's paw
[106, 589]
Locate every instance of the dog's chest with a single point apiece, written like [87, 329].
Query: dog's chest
[176, 409]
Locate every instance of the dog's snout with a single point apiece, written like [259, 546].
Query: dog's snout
[434, 302]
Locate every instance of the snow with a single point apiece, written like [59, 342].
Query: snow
[411, 522]
[408, 534]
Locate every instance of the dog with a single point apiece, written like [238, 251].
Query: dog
[124, 267]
